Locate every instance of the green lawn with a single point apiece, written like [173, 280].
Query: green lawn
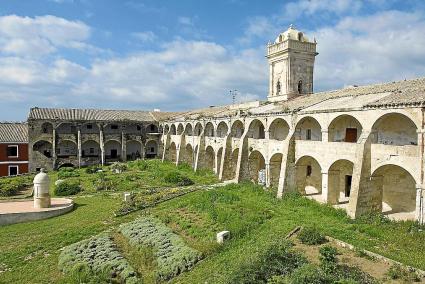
[254, 217]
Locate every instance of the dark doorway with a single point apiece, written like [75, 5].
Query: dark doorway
[348, 180]
[351, 135]
[114, 153]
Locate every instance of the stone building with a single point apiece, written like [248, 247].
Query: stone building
[82, 137]
[13, 148]
[358, 148]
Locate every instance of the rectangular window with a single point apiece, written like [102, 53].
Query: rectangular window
[91, 150]
[89, 126]
[114, 126]
[152, 150]
[139, 128]
[12, 151]
[152, 127]
[308, 134]
[13, 170]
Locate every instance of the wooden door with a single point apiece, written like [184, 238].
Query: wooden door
[351, 135]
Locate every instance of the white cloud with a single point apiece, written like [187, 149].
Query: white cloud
[147, 36]
[294, 10]
[32, 37]
[367, 49]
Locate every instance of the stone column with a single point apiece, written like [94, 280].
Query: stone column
[54, 156]
[331, 196]
[123, 146]
[301, 175]
[79, 146]
[419, 211]
[325, 135]
[268, 175]
[102, 145]
[376, 193]
[270, 80]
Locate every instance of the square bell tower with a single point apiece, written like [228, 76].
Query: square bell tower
[291, 64]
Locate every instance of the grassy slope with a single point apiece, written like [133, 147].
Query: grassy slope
[257, 217]
[43, 239]
[253, 216]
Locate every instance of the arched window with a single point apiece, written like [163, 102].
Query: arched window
[300, 87]
[278, 87]
[300, 36]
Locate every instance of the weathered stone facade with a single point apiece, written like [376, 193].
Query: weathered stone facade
[358, 148]
[81, 137]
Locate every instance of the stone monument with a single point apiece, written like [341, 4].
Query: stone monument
[41, 190]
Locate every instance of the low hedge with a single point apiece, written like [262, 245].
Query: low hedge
[67, 188]
[97, 256]
[178, 179]
[173, 256]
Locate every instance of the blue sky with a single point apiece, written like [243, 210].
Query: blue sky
[179, 55]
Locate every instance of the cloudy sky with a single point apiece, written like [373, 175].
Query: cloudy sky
[177, 55]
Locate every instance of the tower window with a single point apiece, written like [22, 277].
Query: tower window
[300, 36]
[308, 134]
[309, 171]
[278, 87]
[300, 87]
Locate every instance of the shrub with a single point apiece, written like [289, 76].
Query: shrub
[67, 188]
[328, 254]
[173, 256]
[67, 172]
[398, 272]
[177, 179]
[308, 274]
[92, 169]
[103, 182]
[119, 167]
[11, 186]
[311, 236]
[277, 258]
[96, 257]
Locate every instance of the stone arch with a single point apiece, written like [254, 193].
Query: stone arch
[209, 129]
[173, 130]
[151, 128]
[166, 129]
[43, 147]
[279, 129]
[209, 158]
[394, 129]
[188, 156]
[134, 150]
[237, 129]
[189, 130]
[257, 167]
[222, 129]
[275, 166]
[112, 150]
[308, 173]
[256, 130]
[198, 129]
[340, 175]
[90, 128]
[180, 129]
[112, 128]
[90, 149]
[394, 190]
[230, 165]
[172, 156]
[47, 128]
[66, 148]
[308, 128]
[66, 128]
[344, 128]
[151, 149]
